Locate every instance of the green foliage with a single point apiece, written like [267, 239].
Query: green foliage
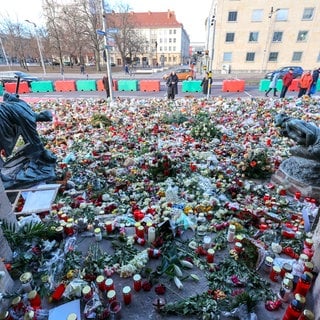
[100, 120]
[174, 118]
[203, 127]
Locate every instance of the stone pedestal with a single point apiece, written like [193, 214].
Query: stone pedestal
[6, 214]
[299, 174]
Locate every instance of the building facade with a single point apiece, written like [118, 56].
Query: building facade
[167, 41]
[258, 36]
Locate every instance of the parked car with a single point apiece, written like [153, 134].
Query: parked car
[297, 72]
[12, 76]
[183, 74]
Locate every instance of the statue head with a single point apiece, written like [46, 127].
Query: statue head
[280, 119]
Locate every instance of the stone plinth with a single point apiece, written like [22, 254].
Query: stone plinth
[299, 174]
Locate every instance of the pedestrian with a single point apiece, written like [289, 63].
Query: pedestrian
[286, 82]
[305, 83]
[273, 83]
[82, 68]
[126, 69]
[172, 85]
[206, 83]
[315, 77]
[105, 81]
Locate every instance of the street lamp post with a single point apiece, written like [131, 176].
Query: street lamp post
[269, 39]
[104, 34]
[39, 46]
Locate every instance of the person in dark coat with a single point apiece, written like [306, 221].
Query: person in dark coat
[315, 77]
[287, 80]
[172, 85]
[206, 83]
[105, 81]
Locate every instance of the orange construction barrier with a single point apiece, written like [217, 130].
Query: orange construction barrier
[150, 85]
[100, 86]
[233, 85]
[11, 87]
[294, 85]
[65, 85]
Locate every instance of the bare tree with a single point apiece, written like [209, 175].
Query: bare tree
[128, 40]
[15, 41]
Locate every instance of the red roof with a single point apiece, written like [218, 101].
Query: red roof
[151, 19]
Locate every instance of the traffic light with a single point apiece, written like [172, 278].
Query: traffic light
[212, 20]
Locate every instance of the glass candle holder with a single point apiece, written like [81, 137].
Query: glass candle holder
[34, 299]
[101, 283]
[126, 294]
[109, 284]
[115, 310]
[210, 256]
[111, 296]
[137, 282]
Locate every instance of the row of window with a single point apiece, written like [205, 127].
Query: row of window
[276, 37]
[273, 56]
[280, 15]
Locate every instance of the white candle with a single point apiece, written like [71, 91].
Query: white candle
[151, 234]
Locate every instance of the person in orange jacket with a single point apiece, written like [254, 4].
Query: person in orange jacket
[286, 80]
[305, 83]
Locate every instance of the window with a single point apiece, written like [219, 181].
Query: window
[277, 36]
[257, 15]
[230, 37]
[250, 56]
[307, 14]
[227, 56]
[302, 36]
[297, 55]
[282, 15]
[170, 40]
[253, 36]
[232, 15]
[273, 56]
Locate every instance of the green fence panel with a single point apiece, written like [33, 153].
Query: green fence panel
[318, 86]
[191, 86]
[1, 89]
[127, 85]
[264, 84]
[42, 86]
[86, 85]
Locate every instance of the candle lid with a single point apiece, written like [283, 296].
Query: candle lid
[300, 298]
[126, 290]
[136, 277]
[86, 290]
[232, 227]
[111, 294]
[97, 230]
[303, 257]
[269, 259]
[59, 229]
[109, 282]
[276, 268]
[72, 316]
[211, 251]
[100, 279]
[26, 277]
[308, 314]
[32, 294]
[69, 225]
[16, 300]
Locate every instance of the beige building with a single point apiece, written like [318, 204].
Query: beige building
[167, 41]
[260, 35]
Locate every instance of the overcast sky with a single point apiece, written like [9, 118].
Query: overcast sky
[191, 14]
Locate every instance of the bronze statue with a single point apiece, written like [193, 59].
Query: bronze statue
[305, 134]
[33, 163]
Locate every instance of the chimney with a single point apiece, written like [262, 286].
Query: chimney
[169, 14]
